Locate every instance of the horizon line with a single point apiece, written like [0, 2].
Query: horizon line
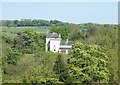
[60, 20]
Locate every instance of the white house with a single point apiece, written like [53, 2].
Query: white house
[54, 43]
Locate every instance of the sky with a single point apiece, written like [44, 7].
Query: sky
[73, 12]
[59, 0]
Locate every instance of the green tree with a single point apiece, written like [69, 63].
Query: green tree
[68, 31]
[43, 72]
[11, 57]
[60, 69]
[29, 42]
[87, 64]
[63, 30]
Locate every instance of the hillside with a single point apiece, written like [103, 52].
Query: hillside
[24, 59]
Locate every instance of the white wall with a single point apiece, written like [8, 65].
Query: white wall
[65, 46]
[53, 41]
[56, 43]
[66, 51]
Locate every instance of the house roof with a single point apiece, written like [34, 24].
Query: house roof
[66, 42]
[52, 35]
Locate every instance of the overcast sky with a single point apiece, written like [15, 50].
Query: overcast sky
[75, 12]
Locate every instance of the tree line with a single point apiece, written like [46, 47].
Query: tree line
[30, 22]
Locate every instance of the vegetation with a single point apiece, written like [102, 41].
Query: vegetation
[88, 64]
[92, 59]
[14, 30]
[29, 22]
[69, 31]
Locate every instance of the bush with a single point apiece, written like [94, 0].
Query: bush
[12, 56]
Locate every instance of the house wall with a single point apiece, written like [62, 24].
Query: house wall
[65, 46]
[64, 50]
[53, 41]
[47, 41]
[55, 45]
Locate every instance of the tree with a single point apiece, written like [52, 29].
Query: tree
[43, 71]
[29, 42]
[60, 69]
[11, 57]
[56, 22]
[88, 64]
[68, 31]
[63, 30]
[6, 39]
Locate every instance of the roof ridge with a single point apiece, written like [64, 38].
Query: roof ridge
[52, 35]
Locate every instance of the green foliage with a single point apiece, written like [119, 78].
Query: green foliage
[106, 36]
[63, 30]
[88, 64]
[43, 72]
[5, 39]
[15, 30]
[11, 57]
[29, 42]
[56, 22]
[29, 22]
[68, 31]
[60, 69]
[39, 76]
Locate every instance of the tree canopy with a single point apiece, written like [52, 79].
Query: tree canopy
[87, 64]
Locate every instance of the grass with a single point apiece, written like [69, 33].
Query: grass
[18, 29]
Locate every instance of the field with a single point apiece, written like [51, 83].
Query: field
[17, 29]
